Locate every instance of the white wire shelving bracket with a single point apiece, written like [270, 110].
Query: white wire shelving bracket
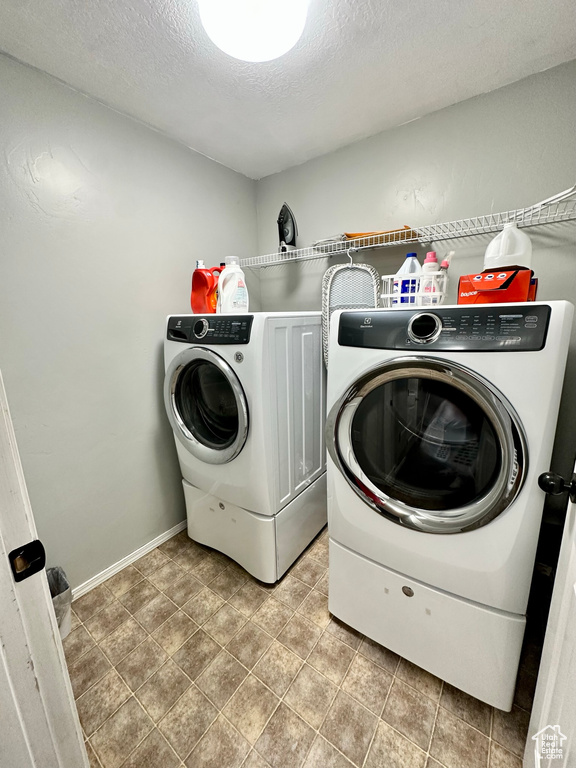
[560, 207]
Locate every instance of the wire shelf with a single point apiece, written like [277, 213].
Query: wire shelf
[560, 207]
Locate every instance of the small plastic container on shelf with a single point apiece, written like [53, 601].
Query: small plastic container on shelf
[422, 296]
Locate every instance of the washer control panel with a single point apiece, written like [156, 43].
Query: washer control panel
[210, 329]
[485, 328]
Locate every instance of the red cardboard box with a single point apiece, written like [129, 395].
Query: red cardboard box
[490, 287]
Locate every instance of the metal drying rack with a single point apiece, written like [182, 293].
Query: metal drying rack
[560, 207]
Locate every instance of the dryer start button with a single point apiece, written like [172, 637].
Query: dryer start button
[424, 328]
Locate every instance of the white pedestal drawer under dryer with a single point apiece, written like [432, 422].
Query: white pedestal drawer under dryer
[439, 423]
[245, 396]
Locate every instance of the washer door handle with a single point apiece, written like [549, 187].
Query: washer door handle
[555, 485]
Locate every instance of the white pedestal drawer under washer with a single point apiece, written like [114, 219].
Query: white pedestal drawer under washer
[439, 424]
[245, 396]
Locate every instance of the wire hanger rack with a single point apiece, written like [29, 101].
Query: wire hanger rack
[560, 207]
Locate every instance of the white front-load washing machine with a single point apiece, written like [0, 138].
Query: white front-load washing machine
[439, 423]
[245, 396]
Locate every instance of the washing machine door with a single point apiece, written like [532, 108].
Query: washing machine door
[206, 405]
[429, 444]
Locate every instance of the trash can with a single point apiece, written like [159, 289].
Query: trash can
[61, 599]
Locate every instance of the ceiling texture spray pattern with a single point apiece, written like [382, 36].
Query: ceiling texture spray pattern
[361, 66]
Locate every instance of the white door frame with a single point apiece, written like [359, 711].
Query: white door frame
[39, 726]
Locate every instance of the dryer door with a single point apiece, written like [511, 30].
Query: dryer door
[206, 405]
[429, 444]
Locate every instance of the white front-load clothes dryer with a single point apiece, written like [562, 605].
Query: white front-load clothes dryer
[245, 396]
[439, 423]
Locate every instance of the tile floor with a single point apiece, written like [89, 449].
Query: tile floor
[183, 659]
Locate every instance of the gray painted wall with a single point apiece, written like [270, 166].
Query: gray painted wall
[500, 151]
[101, 220]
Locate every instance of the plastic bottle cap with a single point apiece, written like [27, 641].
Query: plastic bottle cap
[431, 258]
[200, 264]
[230, 260]
[411, 255]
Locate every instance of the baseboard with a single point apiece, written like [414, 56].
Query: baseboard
[131, 558]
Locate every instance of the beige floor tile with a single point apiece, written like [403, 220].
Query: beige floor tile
[368, 683]
[174, 546]
[379, 655]
[107, 620]
[74, 621]
[501, 758]
[196, 654]
[77, 644]
[203, 605]
[220, 747]
[166, 575]
[209, 568]
[254, 760]
[467, 708]
[510, 729]
[322, 585]
[319, 551]
[155, 613]
[121, 733]
[292, 591]
[345, 633]
[392, 750]
[161, 691]
[190, 557]
[141, 663]
[123, 640]
[123, 581]
[102, 700]
[92, 759]
[455, 743]
[350, 727]
[151, 562]
[308, 570]
[229, 582]
[419, 678]
[92, 602]
[137, 597]
[187, 721]
[315, 608]
[324, 755]
[331, 657]
[248, 598]
[184, 589]
[89, 668]
[410, 712]
[250, 708]
[153, 752]
[310, 695]
[277, 668]
[300, 635]
[224, 624]
[249, 644]
[285, 734]
[221, 678]
[174, 632]
[272, 616]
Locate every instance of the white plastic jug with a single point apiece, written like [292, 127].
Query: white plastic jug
[509, 248]
[232, 291]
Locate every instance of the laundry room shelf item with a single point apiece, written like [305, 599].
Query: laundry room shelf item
[421, 296]
[560, 207]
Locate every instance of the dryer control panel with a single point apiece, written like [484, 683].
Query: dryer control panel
[210, 329]
[486, 328]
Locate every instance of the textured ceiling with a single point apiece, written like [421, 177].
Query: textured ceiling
[360, 67]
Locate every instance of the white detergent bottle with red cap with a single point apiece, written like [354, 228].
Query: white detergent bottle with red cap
[232, 291]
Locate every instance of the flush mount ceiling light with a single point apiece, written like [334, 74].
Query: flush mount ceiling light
[254, 30]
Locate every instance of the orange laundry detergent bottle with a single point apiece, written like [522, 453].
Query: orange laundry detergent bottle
[204, 284]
